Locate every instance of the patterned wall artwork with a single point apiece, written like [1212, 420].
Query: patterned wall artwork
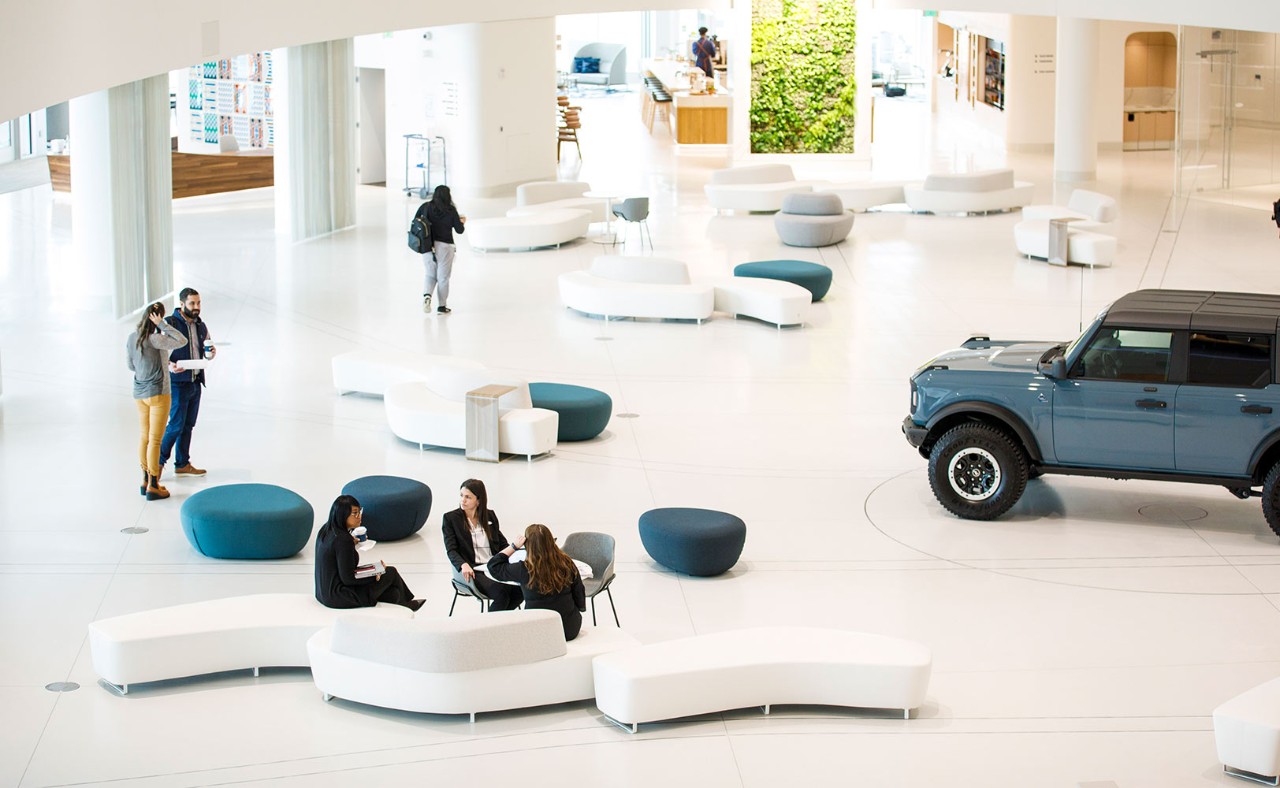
[232, 96]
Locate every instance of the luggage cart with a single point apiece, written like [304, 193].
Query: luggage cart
[420, 154]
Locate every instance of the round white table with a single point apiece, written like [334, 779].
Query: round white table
[609, 237]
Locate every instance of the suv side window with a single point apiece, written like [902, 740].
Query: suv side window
[1126, 354]
[1231, 360]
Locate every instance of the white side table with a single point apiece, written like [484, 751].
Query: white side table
[482, 416]
[1059, 236]
[609, 237]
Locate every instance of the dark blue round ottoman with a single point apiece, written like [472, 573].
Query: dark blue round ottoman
[698, 542]
[247, 521]
[584, 412]
[813, 277]
[394, 507]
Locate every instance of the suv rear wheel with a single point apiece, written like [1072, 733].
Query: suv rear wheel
[1271, 498]
[978, 472]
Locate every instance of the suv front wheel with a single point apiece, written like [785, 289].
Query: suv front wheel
[1271, 498]
[977, 471]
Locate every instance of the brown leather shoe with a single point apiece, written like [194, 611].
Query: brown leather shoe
[154, 491]
[188, 470]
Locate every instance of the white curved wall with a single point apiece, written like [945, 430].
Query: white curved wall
[59, 49]
[1233, 15]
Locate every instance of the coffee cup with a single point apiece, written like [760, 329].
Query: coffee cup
[360, 533]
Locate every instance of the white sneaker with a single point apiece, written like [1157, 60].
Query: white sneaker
[426, 304]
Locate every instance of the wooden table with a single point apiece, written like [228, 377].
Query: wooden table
[195, 173]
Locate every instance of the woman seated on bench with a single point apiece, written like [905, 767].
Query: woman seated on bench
[548, 577]
[336, 561]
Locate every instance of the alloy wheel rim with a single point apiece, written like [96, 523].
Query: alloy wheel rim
[974, 474]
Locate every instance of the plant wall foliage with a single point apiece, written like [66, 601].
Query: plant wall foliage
[802, 79]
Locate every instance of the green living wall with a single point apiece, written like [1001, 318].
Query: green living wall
[802, 79]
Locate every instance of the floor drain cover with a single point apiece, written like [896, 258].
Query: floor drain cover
[62, 686]
[627, 415]
[134, 529]
[604, 339]
[1172, 512]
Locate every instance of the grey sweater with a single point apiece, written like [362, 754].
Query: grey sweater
[150, 364]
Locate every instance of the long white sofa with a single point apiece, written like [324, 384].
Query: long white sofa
[372, 371]
[543, 228]
[644, 287]
[861, 196]
[1246, 730]
[460, 665]
[762, 666]
[758, 187]
[968, 192]
[541, 196]
[770, 300]
[433, 412]
[237, 633]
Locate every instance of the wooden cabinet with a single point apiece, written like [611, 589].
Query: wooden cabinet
[702, 125]
[1149, 130]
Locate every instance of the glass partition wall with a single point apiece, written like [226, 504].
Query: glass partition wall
[1228, 142]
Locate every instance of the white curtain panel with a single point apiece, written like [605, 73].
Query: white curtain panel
[320, 135]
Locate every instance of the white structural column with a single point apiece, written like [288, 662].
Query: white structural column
[1075, 132]
[316, 144]
[122, 188]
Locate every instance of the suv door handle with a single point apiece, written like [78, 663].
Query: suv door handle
[1255, 409]
[1151, 403]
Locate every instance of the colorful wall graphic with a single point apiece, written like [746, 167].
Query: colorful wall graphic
[802, 76]
[232, 96]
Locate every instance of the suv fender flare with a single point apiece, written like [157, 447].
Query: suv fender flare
[1000, 414]
[1271, 442]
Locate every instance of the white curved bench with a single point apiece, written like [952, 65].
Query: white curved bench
[539, 196]
[1083, 246]
[460, 665]
[770, 300]
[763, 666]
[372, 371]
[1246, 730]
[237, 633]
[419, 415]
[543, 228]
[863, 195]
[759, 187]
[596, 295]
[968, 192]
[1091, 210]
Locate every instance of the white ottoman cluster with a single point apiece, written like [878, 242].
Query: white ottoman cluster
[864, 195]
[1090, 238]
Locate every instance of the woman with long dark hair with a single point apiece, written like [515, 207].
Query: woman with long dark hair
[336, 561]
[471, 537]
[548, 578]
[147, 353]
[437, 262]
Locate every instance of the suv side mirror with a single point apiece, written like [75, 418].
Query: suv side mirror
[1055, 368]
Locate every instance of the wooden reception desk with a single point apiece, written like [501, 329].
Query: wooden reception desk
[195, 173]
[701, 119]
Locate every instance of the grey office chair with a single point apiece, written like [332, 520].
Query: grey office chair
[635, 209]
[594, 550]
[463, 587]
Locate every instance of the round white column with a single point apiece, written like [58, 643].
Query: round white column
[1075, 131]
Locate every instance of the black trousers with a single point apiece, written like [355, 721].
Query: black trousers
[392, 589]
[504, 596]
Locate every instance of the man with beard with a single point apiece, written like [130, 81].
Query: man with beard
[185, 385]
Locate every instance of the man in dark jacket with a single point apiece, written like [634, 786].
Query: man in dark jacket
[186, 385]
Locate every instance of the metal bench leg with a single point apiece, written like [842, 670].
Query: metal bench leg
[1265, 779]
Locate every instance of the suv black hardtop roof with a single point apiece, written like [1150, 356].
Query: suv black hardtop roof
[1199, 310]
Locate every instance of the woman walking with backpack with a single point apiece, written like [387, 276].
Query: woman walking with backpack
[442, 217]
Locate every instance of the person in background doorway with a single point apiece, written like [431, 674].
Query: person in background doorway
[704, 51]
[442, 215]
[187, 383]
[147, 353]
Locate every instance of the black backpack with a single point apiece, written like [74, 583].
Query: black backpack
[420, 233]
[1275, 212]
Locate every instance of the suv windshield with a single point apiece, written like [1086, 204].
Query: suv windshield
[1071, 349]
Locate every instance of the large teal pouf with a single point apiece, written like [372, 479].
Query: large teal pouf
[584, 412]
[394, 507]
[253, 521]
[701, 542]
[814, 277]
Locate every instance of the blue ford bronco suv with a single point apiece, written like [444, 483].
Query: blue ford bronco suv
[1170, 385]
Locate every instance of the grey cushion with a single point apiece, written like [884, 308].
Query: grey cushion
[813, 204]
[985, 181]
[809, 231]
[452, 645]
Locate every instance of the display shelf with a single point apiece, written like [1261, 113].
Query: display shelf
[993, 74]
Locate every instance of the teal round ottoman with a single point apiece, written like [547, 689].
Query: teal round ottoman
[394, 507]
[700, 542]
[814, 277]
[584, 412]
[254, 521]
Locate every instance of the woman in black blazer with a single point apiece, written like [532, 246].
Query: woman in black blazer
[548, 577]
[471, 536]
[337, 559]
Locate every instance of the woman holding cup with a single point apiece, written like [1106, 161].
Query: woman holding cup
[337, 558]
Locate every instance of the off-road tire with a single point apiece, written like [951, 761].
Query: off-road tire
[978, 471]
[1271, 498]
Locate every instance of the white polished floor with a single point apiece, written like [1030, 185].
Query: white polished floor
[1083, 639]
